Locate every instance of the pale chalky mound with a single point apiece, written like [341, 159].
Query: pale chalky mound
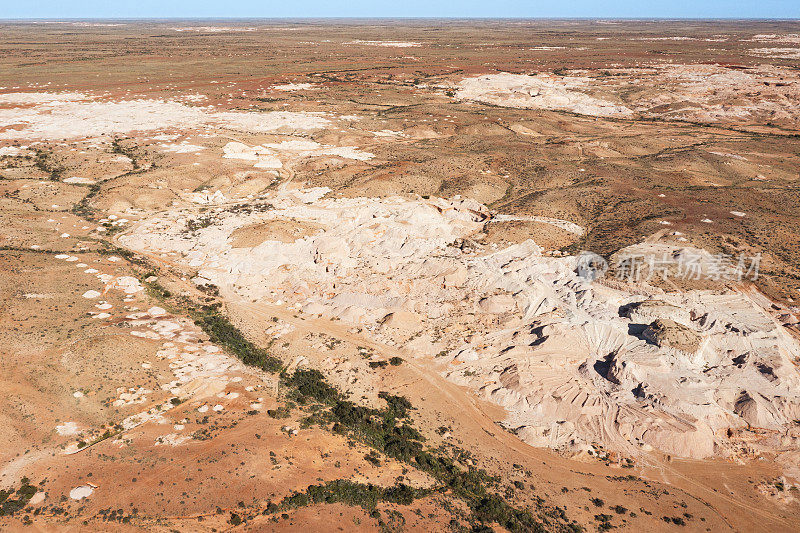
[556, 93]
[573, 362]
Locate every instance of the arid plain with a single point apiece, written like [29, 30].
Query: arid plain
[331, 275]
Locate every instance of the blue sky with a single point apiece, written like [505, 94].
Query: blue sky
[399, 8]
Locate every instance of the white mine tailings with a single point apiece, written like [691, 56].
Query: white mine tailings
[541, 92]
[295, 87]
[273, 155]
[563, 224]
[705, 93]
[79, 493]
[573, 362]
[389, 44]
[64, 115]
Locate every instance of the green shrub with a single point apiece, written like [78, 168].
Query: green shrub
[352, 493]
[14, 500]
[311, 383]
[221, 331]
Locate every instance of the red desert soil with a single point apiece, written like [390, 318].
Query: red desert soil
[194, 214]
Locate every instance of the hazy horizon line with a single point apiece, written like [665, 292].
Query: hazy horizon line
[233, 18]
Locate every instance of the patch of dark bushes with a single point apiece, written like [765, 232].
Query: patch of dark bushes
[14, 500]
[221, 331]
[351, 493]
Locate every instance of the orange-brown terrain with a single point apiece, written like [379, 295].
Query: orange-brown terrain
[327, 275]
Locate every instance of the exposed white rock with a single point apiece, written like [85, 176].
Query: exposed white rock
[127, 284]
[172, 439]
[40, 98]
[563, 224]
[390, 44]
[294, 87]
[274, 155]
[81, 492]
[78, 180]
[713, 93]
[13, 151]
[67, 428]
[568, 359]
[205, 197]
[57, 116]
[778, 53]
[541, 92]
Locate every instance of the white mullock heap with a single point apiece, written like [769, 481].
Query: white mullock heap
[567, 358]
[555, 93]
[66, 115]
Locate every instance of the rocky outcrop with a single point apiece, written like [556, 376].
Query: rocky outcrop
[573, 362]
[669, 334]
[542, 91]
